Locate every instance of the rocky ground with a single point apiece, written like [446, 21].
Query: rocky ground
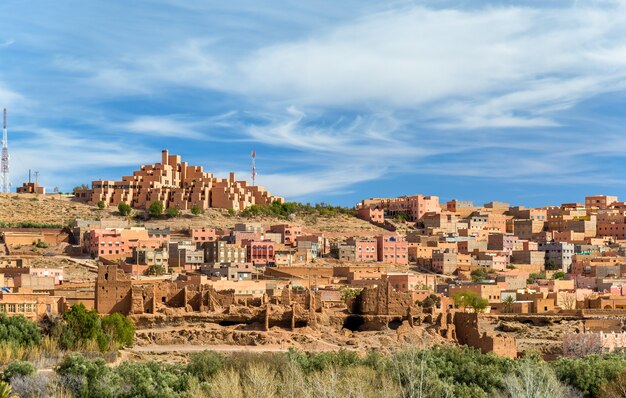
[62, 209]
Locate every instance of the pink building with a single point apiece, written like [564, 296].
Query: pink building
[121, 242]
[371, 214]
[200, 235]
[393, 249]
[413, 206]
[365, 249]
[261, 252]
[290, 233]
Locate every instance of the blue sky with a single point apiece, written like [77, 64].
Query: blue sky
[514, 101]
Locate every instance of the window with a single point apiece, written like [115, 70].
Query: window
[20, 307]
[11, 308]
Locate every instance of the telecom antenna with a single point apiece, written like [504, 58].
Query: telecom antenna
[4, 166]
[253, 154]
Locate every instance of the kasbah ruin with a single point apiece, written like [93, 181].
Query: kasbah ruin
[225, 270]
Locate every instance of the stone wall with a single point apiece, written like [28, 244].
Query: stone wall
[469, 333]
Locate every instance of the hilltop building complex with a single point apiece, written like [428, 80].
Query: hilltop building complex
[176, 184]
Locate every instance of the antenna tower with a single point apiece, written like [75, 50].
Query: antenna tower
[4, 166]
[253, 154]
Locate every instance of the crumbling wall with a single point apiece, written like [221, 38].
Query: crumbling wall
[383, 300]
[468, 333]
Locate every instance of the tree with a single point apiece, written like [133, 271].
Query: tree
[155, 270]
[101, 205]
[19, 330]
[479, 274]
[80, 187]
[124, 209]
[80, 325]
[155, 209]
[119, 328]
[559, 275]
[172, 212]
[196, 210]
[507, 306]
[467, 299]
[88, 377]
[531, 377]
[567, 300]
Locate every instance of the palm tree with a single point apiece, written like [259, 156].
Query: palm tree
[508, 304]
[5, 390]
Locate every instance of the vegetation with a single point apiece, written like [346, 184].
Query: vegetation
[172, 212]
[83, 327]
[155, 270]
[401, 216]
[17, 368]
[80, 187]
[534, 276]
[349, 293]
[101, 205]
[283, 210]
[479, 274]
[19, 331]
[471, 300]
[155, 209]
[436, 372]
[431, 301]
[196, 210]
[41, 244]
[559, 275]
[507, 304]
[124, 209]
[30, 224]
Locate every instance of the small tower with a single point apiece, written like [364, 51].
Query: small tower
[5, 184]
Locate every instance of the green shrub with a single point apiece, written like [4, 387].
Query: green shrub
[87, 378]
[172, 212]
[19, 330]
[590, 373]
[155, 270]
[155, 209]
[41, 244]
[204, 365]
[119, 328]
[101, 205]
[17, 368]
[196, 210]
[124, 209]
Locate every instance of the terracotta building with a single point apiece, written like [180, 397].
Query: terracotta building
[176, 184]
[393, 249]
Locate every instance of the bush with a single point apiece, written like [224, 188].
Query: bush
[590, 373]
[196, 210]
[124, 209]
[155, 209]
[172, 212]
[88, 377]
[204, 365]
[101, 205]
[155, 270]
[41, 244]
[151, 380]
[17, 368]
[119, 328]
[19, 330]
[469, 299]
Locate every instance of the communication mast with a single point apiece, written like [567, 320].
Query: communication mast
[4, 166]
[253, 166]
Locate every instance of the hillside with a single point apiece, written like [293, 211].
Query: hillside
[60, 210]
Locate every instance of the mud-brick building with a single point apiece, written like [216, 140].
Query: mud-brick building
[175, 183]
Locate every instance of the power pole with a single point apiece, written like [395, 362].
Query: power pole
[253, 154]
[4, 165]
